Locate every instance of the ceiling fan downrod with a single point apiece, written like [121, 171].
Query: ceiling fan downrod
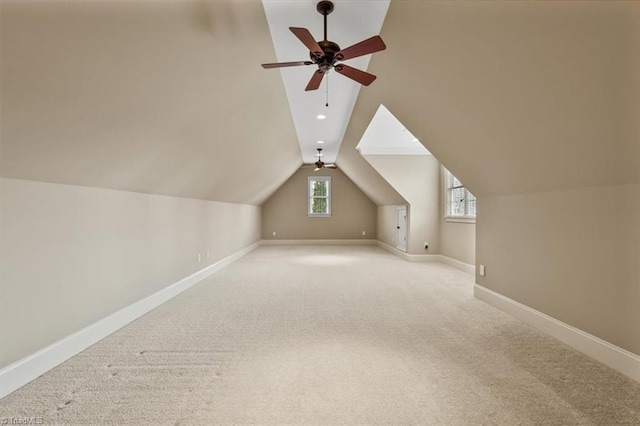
[325, 7]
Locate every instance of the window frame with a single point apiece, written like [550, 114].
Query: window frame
[310, 196]
[449, 187]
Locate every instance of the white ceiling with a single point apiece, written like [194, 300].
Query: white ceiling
[386, 135]
[351, 22]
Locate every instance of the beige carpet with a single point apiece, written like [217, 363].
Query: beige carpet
[329, 335]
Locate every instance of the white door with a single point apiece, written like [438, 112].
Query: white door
[401, 237]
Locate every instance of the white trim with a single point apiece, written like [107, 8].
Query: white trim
[368, 241]
[30, 367]
[409, 257]
[460, 219]
[464, 267]
[613, 356]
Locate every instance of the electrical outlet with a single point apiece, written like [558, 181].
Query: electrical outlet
[426, 245]
[199, 258]
[274, 233]
[482, 271]
[207, 254]
[364, 232]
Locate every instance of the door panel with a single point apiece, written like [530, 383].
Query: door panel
[401, 237]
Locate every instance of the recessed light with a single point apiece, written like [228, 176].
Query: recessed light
[320, 141]
[415, 140]
[321, 117]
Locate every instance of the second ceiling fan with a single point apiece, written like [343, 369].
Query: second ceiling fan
[320, 164]
[326, 54]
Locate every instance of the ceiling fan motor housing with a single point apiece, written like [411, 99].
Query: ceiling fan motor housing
[326, 61]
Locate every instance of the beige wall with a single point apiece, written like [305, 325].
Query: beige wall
[73, 255]
[574, 255]
[457, 239]
[352, 212]
[417, 179]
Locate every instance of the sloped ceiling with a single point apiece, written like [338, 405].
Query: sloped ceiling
[155, 97]
[169, 97]
[512, 97]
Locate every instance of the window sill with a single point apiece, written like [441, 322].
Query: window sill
[318, 215]
[460, 219]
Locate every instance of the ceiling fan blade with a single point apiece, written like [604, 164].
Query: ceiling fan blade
[365, 47]
[315, 81]
[307, 39]
[330, 166]
[355, 74]
[286, 64]
[316, 169]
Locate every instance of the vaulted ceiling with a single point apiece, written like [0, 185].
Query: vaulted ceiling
[169, 98]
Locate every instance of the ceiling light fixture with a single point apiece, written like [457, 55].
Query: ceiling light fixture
[321, 117]
[320, 141]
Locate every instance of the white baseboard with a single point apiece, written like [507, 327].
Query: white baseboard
[464, 267]
[393, 250]
[409, 257]
[30, 367]
[613, 356]
[317, 242]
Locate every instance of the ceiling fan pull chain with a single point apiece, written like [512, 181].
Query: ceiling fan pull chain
[327, 87]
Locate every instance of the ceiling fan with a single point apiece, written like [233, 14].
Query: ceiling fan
[325, 54]
[320, 164]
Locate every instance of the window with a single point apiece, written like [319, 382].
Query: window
[461, 204]
[319, 199]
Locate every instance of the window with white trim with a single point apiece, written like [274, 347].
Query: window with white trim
[319, 196]
[461, 204]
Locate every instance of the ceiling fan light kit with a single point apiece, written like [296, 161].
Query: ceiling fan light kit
[326, 54]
